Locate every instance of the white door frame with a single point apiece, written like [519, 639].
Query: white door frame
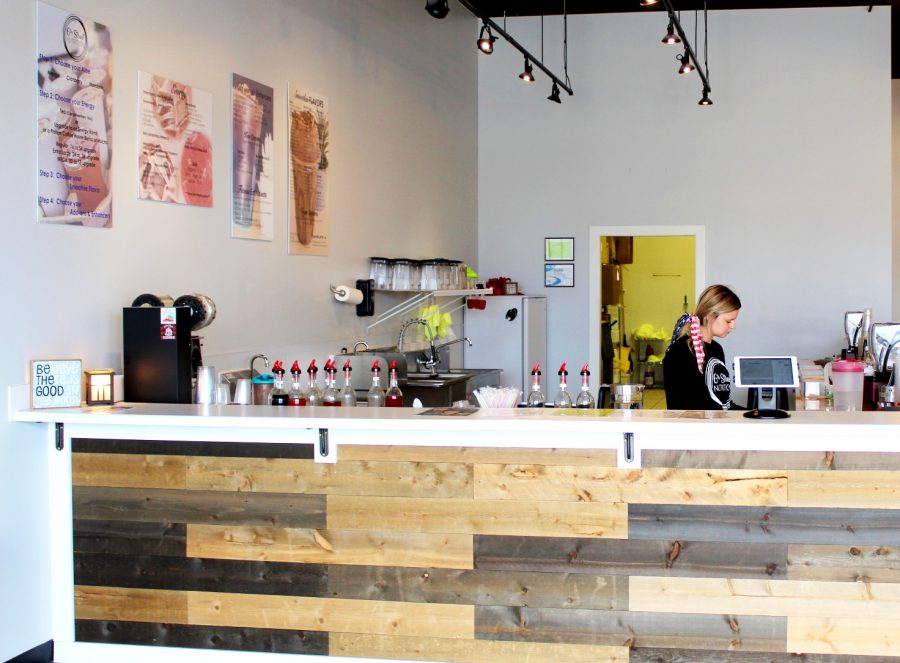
[596, 232]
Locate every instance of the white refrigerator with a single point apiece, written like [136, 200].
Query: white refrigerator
[510, 333]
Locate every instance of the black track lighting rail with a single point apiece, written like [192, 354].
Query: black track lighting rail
[535, 61]
[670, 9]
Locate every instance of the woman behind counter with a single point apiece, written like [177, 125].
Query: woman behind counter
[694, 370]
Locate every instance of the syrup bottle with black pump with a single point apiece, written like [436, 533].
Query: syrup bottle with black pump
[585, 399]
[296, 395]
[313, 395]
[278, 395]
[375, 397]
[331, 396]
[393, 397]
[562, 398]
[536, 395]
[348, 393]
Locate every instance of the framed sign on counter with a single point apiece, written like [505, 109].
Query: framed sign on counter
[55, 383]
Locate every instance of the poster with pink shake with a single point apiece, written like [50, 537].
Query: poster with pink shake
[175, 150]
[74, 128]
[252, 130]
[308, 173]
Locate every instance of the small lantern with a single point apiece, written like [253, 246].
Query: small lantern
[99, 386]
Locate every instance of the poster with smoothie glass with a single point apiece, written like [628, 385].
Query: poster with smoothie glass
[175, 150]
[252, 112]
[308, 168]
[74, 129]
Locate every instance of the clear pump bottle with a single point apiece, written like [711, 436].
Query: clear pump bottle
[393, 397]
[375, 397]
[278, 395]
[296, 395]
[536, 395]
[313, 395]
[331, 395]
[348, 393]
[585, 399]
[562, 398]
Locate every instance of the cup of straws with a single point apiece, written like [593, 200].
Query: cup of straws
[496, 397]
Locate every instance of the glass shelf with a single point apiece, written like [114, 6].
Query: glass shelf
[416, 297]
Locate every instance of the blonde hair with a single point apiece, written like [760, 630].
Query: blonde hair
[716, 300]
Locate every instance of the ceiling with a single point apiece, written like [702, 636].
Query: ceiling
[496, 8]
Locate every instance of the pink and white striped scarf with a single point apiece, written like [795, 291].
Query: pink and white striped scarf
[697, 342]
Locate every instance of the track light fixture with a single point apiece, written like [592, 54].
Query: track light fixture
[671, 37]
[647, 3]
[705, 101]
[554, 94]
[486, 43]
[437, 8]
[686, 66]
[527, 75]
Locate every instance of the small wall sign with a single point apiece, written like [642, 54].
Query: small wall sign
[56, 383]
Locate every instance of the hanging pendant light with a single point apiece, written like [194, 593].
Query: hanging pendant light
[554, 94]
[671, 37]
[486, 43]
[705, 101]
[686, 66]
[527, 75]
[647, 3]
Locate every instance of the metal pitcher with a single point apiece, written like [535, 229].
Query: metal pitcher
[621, 396]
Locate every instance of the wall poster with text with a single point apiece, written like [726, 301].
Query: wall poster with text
[175, 151]
[74, 128]
[308, 130]
[252, 113]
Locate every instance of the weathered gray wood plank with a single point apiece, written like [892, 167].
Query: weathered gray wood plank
[770, 460]
[765, 524]
[197, 574]
[656, 655]
[201, 637]
[129, 538]
[556, 590]
[248, 449]
[215, 507]
[631, 557]
[632, 629]
[844, 563]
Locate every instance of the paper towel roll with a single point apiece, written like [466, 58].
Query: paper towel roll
[348, 295]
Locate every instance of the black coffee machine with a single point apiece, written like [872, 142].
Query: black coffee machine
[161, 353]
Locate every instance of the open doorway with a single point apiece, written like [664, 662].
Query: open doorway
[642, 279]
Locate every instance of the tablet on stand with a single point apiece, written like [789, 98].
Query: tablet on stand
[766, 375]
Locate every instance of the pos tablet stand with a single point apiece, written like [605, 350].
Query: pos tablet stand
[763, 376]
[766, 405]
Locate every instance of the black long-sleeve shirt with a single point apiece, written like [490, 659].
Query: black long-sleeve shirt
[689, 389]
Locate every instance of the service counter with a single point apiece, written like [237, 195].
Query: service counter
[229, 533]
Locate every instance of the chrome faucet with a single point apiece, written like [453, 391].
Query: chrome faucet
[441, 346]
[255, 357]
[432, 359]
[357, 344]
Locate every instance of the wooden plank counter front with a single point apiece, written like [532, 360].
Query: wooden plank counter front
[229, 536]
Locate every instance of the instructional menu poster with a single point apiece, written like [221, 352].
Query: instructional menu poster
[252, 112]
[74, 129]
[308, 168]
[175, 155]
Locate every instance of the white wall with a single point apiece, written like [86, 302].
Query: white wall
[789, 170]
[403, 112]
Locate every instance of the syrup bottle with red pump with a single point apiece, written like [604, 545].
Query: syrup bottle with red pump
[278, 395]
[313, 395]
[331, 396]
[348, 393]
[393, 397]
[296, 395]
[562, 398]
[375, 397]
[585, 400]
[536, 395]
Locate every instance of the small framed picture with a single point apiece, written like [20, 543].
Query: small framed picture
[559, 275]
[559, 248]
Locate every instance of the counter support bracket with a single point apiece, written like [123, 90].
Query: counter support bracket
[60, 435]
[324, 452]
[629, 455]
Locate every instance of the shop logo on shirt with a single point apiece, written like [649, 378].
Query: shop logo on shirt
[718, 382]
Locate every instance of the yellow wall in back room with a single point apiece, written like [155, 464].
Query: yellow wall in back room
[656, 283]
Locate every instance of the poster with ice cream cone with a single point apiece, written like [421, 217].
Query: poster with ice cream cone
[252, 112]
[175, 150]
[308, 167]
[74, 102]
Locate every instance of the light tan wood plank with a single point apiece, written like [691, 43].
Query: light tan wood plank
[470, 651]
[283, 475]
[128, 470]
[644, 486]
[763, 597]
[597, 457]
[854, 489]
[843, 563]
[847, 635]
[312, 546]
[525, 518]
[130, 605]
[324, 614]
